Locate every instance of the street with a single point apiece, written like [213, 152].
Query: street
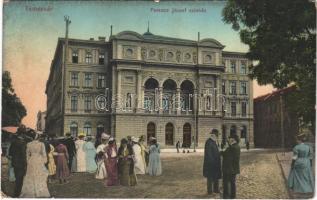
[260, 177]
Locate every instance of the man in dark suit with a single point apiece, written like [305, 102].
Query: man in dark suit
[231, 167]
[71, 148]
[18, 154]
[212, 163]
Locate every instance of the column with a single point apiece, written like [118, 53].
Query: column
[178, 101]
[138, 89]
[118, 97]
[161, 100]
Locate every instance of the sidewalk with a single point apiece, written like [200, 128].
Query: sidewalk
[285, 161]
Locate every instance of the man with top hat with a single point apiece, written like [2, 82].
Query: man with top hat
[212, 163]
[71, 148]
[81, 155]
[231, 167]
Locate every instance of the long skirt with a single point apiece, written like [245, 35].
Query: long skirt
[155, 167]
[126, 177]
[62, 170]
[112, 172]
[301, 178]
[101, 170]
[11, 171]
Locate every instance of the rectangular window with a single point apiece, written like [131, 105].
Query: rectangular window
[233, 66]
[75, 57]
[223, 87]
[74, 79]
[233, 87]
[101, 59]
[243, 87]
[88, 80]
[88, 58]
[244, 109]
[101, 81]
[74, 103]
[233, 109]
[87, 103]
[243, 67]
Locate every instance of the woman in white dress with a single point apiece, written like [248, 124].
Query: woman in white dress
[35, 180]
[80, 154]
[139, 164]
[101, 168]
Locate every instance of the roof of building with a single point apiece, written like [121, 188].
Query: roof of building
[275, 93]
[150, 37]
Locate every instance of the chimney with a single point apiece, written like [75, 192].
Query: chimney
[92, 39]
[103, 39]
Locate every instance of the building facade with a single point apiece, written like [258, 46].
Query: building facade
[269, 111]
[40, 121]
[170, 88]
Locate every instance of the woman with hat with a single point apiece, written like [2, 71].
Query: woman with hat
[62, 170]
[155, 167]
[80, 155]
[101, 168]
[35, 180]
[90, 152]
[300, 178]
[111, 163]
[126, 164]
[139, 166]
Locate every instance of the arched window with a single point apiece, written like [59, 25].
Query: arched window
[150, 94]
[169, 134]
[150, 132]
[73, 129]
[187, 93]
[87, 129]
[169, 91]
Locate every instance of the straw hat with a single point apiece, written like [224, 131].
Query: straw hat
[81, 135]
[135, 139]
[105, 136]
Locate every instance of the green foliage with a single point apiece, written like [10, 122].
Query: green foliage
[281, 36]
[13, 110]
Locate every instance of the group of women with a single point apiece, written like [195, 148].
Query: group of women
[119, 166]
[48, 160]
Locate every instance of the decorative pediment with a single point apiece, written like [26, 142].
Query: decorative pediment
[209, 42]
[130, 35]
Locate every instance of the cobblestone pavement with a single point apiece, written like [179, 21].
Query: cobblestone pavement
[260, 177]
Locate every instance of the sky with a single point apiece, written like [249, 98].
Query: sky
[31, 30]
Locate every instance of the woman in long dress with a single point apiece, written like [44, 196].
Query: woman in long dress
[139, 160]
[111, 163]
[101, 167]
[51, 163]
[90, 152]
[301, 179]
[80, 155]
[62, 170]
[35, 180]
[155, 167]
[126, 164]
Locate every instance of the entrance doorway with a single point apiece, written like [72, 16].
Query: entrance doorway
[169, 134]
[187, 135]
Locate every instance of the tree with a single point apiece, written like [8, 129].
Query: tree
[13, 110]
[281, 36]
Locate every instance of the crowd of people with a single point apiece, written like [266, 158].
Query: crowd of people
[35, 161]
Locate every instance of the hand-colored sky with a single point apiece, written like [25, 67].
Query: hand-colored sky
[30, 36]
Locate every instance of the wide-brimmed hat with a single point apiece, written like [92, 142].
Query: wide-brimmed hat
[152, 138]
[111, 139]
[105, 136]
[301, 136]
[81, 135]
[135, 139]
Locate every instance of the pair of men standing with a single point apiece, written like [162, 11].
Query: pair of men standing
[230, 165]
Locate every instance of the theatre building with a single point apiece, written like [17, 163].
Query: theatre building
[145, 84]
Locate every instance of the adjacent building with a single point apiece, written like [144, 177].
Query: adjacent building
[145, 84]
[274, 123]
[40, 122]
